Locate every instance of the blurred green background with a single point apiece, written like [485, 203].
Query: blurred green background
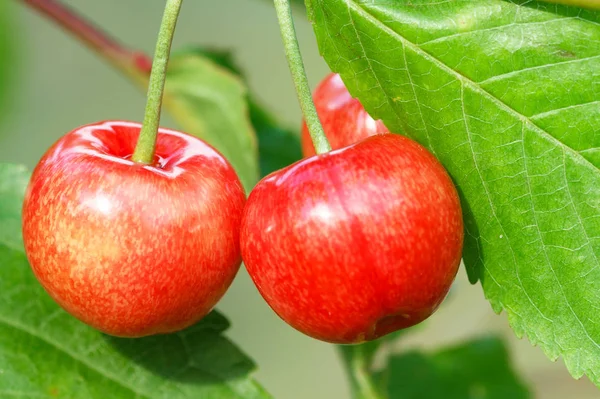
[60, 85]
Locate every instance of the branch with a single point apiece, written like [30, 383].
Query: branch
[134, 63]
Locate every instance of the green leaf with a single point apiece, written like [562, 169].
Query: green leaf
[277, 147]
[578, 3]
[46, 353]
[475, 370]
[506, 95]
[13, 180]
[210, 102]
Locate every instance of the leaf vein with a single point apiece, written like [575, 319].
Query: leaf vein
[557, 110]
[544, 245]
[533, 68]
[492, 208]
[368, 60]
[461, 34]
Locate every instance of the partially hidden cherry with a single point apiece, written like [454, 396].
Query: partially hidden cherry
[343, 117]
[133, 249]
[353, 244]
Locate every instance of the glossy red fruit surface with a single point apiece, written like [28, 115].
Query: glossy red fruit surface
[343, 117]
[133, 249]
[354, 244]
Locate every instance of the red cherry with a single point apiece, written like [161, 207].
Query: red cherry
[356, 243]
[343, 117]
[133, 249]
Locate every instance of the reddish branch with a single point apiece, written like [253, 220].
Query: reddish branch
[132, 62]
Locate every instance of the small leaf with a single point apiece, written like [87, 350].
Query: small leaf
[477, 370]
[210, 102]
[46, 353]
[13, 180]
[277, 147]
[506, 95]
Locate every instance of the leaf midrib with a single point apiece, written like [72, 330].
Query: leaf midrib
[465, 80]
[362, 47]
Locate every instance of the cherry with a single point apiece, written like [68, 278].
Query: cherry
[343, 117]
[133, 249]
[353, 244]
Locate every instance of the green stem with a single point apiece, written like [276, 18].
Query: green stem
[292, 52]
[358, 361]
[360, 372]
[133, 63]
[144, 150]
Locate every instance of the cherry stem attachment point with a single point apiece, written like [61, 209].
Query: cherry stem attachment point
[294, 57]
[145, 148]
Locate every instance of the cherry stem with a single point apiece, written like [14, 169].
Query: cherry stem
[360, 373]
[146, 145]
[134, 63]
[294, 57]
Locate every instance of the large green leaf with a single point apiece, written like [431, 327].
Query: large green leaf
[477, 369]
[507, 95]
[210, 102]
[46, 353]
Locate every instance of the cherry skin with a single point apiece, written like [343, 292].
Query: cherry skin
[343, 117]
[356, 243]
[131, 249]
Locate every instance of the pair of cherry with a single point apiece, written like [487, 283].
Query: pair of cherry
[345, 246]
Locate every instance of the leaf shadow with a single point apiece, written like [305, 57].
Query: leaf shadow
[473, 251]
[200, 354]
